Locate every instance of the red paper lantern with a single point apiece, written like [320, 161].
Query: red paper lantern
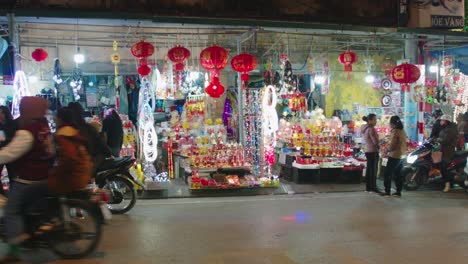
[405, 74]
[215, 89]
[144, 70]
[178, 55]
[214, 58]
[39, 55]
[142, 49]
[347, 58]
[244, 63]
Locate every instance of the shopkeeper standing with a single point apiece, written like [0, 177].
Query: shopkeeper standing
[113, 131]
[371, 141]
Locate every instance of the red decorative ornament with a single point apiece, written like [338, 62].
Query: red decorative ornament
[39, 55]
[215, 89]
[405, 74]
[214, 58]
[144, 70]
[347, 58]
[178, 55]
[142, 49]
[244, 63]
[387, 66]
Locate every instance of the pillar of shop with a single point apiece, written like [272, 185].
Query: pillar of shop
[411, 107]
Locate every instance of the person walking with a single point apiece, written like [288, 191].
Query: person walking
[396, 152]
[7, 132]
[371, 141]
[113, 131]
[448, 142]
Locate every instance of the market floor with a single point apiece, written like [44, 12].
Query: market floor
[351, 228]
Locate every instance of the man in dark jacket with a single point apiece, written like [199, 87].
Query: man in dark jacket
[448, 138]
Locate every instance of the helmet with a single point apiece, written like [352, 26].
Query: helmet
[446, 117]
[437, 113]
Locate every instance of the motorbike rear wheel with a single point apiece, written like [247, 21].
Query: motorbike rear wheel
[123, 194]
[413, 179]
[78, 232]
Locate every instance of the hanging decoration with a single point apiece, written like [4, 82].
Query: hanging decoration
[39, 55]
[405, 74]
[178, 55]
[115, 59]
[144, 70]
[214, 59]
[348, 58]
[244, 63]
[253, 124]
[387, 66]
[21, 89]
[142, 50]
[57, 72]
[76, 83]
[270, 125]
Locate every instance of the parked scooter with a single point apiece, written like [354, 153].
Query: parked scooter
[57, 222]
[420, 168]
[113, 175]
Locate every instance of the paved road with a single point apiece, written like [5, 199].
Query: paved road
[351, 228]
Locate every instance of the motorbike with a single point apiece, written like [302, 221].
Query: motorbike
[69, 225]
[420, 168]
[113, 175]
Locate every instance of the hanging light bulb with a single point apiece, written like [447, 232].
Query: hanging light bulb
[369, 78]
[78, 57]
[319, 79]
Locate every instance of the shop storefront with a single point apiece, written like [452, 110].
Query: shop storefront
[216, 108]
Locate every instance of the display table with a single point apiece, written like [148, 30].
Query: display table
[314, 173]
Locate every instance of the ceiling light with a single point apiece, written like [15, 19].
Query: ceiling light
[78, 57]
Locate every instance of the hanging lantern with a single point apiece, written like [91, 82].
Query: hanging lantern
[39, 55]
[405, 74]
[244, 63]
[387, 66]
[178, 55]
[214, 58]
[144, 70]
[142, 49]
[215, 89]
[347, 58]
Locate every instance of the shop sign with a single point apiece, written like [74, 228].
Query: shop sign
[447, 21]
[437, 14]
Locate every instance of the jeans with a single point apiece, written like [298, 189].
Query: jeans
[393, 170]
[371, 171]
[447, 176]
[20, 197]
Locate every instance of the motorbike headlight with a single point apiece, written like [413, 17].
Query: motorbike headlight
[411, 159]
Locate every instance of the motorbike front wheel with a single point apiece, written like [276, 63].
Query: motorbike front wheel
[79, 231]
[123, 194]
[413, 179]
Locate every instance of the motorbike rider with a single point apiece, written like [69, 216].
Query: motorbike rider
[436, 127]
[96, 146]
[32, 151]
[448, 138]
